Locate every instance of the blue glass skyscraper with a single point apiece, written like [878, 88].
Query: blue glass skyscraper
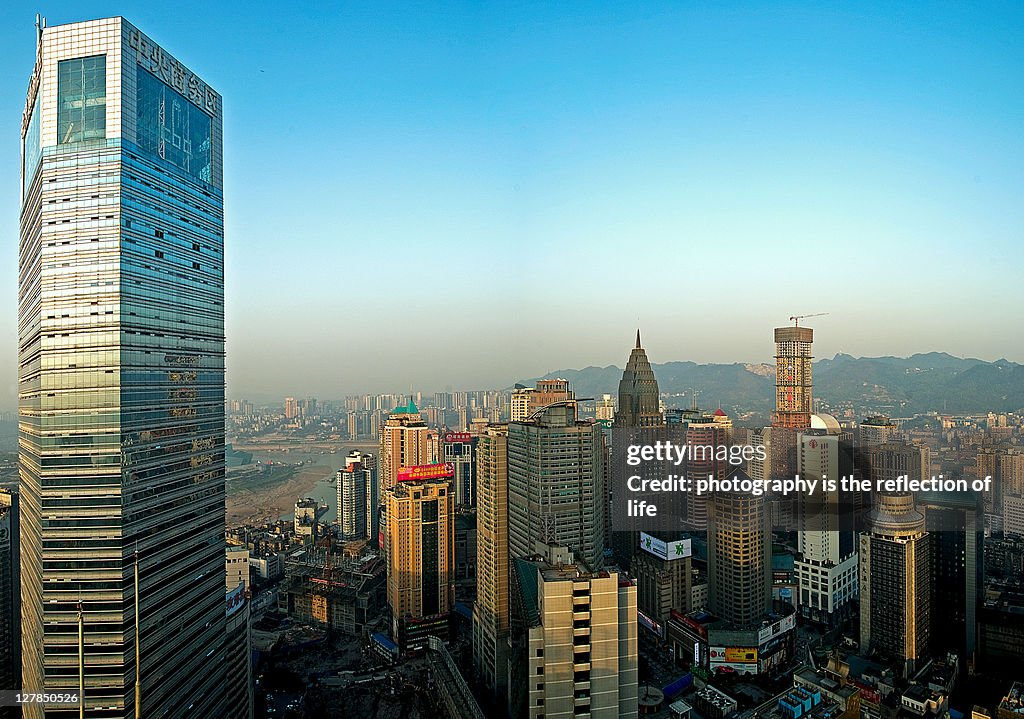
[121, 375]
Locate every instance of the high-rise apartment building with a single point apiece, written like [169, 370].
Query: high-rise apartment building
[739, 556]
[574, 648]
[10, 592]
[826, 566]
[1011, 470]
[419, 542]
[291, 408]
[121, 379]
[356, 496]
[404, 442]
[519, 403]
[557, 483]
[490, 612]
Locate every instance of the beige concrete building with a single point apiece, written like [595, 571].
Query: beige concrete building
[574, 632]
[490, 613]
[405, 441]
[236, 564]
[420, 546]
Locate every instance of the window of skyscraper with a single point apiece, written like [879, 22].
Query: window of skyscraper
[32, 148]
[82, 99]
[171, 127]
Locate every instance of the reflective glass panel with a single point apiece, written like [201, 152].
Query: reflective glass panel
[171, 127]
[82, 99]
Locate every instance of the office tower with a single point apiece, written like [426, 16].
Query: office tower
[238, 688]
[404, 442]
[638, 392]
[420, 546]
[121, 380]
[490, 612]
[878, 429]
[574, 639]
[640, 420]
[556, 483]
[459, 450]
[739, 555]
[890, 461]
[826, 565]
[10, 592]
[895, 574]
[704, 435]
[356, 507]
[664, 578]
[956, 524]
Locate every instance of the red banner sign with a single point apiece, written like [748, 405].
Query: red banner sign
[426, 471]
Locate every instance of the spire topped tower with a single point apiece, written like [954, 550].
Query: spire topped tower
[639, 403]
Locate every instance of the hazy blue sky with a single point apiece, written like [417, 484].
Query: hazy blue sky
[466, 194]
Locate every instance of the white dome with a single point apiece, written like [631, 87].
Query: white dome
[826, 422]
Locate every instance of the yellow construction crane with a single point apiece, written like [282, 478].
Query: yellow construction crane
[796, 318]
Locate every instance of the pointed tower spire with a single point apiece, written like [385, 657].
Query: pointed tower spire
[638, 338]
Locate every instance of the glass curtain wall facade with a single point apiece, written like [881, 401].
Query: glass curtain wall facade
[121, 375]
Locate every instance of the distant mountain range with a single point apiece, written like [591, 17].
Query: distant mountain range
[901, 385]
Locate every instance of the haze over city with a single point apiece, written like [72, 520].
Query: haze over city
[504, 191]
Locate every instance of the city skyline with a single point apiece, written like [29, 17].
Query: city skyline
[785, 157]
[778, 538]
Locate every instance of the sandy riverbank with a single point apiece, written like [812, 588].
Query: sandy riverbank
[256, 501]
